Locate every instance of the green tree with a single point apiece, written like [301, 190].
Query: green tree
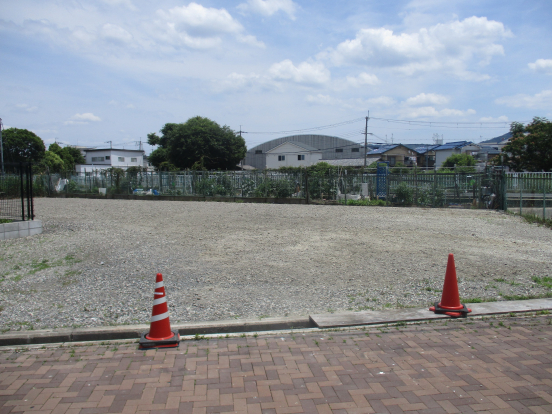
[530, 148]
[198, 143]
[462, 162]
[51, 162]
[21, 145]
[69, 155]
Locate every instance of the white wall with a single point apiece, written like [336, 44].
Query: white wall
[114, 161]
[291, 151]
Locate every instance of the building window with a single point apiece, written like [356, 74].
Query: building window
[392, 160]
[281, 157]
[301, 157]
[107, 157]
[134, 160]
[121, 159]
[339, 150]
[97, 159]
[258, 152]
[355, 149]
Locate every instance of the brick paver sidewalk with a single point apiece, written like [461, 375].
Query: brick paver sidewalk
[496, 365]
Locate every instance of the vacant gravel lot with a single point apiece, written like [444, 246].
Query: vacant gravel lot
[96, 261]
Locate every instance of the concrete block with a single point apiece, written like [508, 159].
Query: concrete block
[24, 233]
[9, 227]
[35, 231]
[11, 235]
[2, 236]
[35, 224]
[23, 225]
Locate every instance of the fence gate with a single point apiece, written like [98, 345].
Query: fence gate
[381, 180]
[16, 192]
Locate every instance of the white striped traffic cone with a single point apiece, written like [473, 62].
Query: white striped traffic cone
[160, 334]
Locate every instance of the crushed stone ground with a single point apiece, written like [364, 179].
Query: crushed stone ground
[96, 261]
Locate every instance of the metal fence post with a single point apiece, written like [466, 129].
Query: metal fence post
[544, 200]
[520, 196]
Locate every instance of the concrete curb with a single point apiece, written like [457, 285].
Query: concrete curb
[108, 333]
[322, 321]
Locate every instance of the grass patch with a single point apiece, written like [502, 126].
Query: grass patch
[5, 221]
[364, 202]
[533, 219]
[478, 300]
[543, 281]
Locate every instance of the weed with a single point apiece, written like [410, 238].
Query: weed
[255, 335]
[330, 338]
[329, 310]
[198, 337]
[544, 281]
[316, 342]
[242, 335]
[344, 341]
[263, 317]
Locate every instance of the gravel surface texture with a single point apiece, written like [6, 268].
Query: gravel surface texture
[96, 261]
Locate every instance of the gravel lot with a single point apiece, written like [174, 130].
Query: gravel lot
[96, 261]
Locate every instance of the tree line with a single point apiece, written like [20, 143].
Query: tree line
[202, 144]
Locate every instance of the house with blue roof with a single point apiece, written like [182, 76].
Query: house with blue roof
[442, 152]
[394, 154]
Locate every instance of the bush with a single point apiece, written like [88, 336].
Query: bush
[403, 194]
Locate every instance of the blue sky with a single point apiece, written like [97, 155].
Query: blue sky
[87, 72]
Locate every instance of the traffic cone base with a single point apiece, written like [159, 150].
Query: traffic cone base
[150, 343]
[462, 312]
[450, 299]
[160, 334]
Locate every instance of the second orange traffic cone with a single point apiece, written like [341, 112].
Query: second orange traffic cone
[450, 299]
[160, 334]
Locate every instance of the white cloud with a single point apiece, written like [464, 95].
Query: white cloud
[540, 100]
[269, 7]
[321, 99]
[237, 81]
[443, 47]
[380, 101]
[542, 66]
[429, 111]
[502, 118]
[198, 27]
[114, 33]
[427, 98]
[26, 108]
[125, 3]
[82, 119]
[362, 79]
[306, 73]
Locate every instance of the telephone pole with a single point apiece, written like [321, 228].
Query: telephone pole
[366, 138]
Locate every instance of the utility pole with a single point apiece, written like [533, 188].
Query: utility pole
[366, 138]
[1, 146]
[110, 143]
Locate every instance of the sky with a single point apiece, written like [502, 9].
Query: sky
[86, 72]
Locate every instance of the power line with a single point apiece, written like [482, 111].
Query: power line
[306, 129]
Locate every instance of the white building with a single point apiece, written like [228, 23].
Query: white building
[292, 154]
[442, 152]
[104, 158]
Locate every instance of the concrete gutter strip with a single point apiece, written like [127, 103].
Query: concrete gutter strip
[107, 333]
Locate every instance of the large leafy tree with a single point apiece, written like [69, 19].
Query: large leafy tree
[69, 155]
[530, 148]
[21, 145]
[198, 143]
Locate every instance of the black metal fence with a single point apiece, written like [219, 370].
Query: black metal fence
[16, 192]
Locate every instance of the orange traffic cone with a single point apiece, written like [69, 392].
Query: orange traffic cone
[160, 334]
[450, 300]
